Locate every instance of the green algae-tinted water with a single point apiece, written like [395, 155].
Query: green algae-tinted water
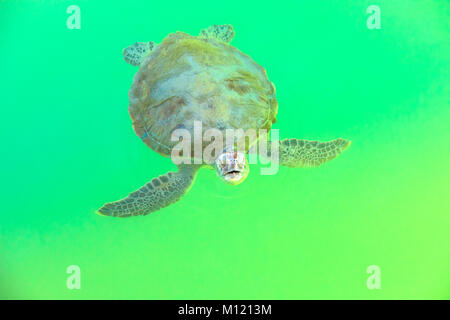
[68, 147]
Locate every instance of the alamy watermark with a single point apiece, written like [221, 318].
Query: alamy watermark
[74, 280]
[74, 20]
[209, 146]
[374, 20]
[374, 279]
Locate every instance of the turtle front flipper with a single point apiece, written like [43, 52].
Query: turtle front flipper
[157, 194]
[223, 32]
[296, 153]
[136, 53]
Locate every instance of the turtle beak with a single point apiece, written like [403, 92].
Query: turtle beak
[233, 177]
[232, 167]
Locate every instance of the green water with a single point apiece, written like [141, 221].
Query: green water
[68, 147]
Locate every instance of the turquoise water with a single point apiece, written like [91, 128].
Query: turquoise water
[68, 147]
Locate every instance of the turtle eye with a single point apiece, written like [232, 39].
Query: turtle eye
[222, 163]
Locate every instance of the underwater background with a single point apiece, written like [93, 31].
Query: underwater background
[68, 147]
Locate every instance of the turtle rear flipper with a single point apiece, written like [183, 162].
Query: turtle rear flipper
[296, 153]
[223, 32]
[157, 194]
[136, 53]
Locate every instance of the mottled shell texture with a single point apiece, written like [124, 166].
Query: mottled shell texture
[189, 78]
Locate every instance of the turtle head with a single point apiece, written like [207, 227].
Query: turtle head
[232, 166]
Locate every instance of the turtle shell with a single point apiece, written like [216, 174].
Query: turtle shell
[187, 79]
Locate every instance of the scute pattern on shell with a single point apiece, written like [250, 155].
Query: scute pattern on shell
[188, 78]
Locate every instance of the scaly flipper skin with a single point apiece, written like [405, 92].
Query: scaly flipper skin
[223, 32]
[157, 194]
[296, 153]
[136, 53]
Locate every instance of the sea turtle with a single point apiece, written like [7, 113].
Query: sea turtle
[203, 78]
